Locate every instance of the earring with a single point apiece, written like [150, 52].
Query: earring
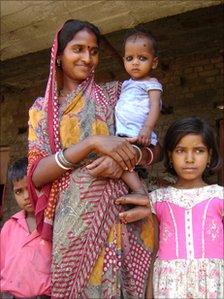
[208, 164]
[58, 62]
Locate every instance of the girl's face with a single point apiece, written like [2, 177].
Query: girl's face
[80, 56]
[139, 58]
[189, 159]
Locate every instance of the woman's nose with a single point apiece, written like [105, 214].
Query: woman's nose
[86, 57]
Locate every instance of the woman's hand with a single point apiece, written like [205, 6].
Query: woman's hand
[120, 149]
[105, 167]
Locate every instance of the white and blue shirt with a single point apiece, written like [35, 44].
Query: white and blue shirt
[133, 107]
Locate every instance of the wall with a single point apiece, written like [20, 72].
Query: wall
[191, 70]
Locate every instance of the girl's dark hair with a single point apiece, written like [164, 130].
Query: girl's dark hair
[70, 28]
[139, 31]
[191, 125]
[18, 169]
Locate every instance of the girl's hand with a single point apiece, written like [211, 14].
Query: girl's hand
[120, 149]
[144, 136]
[105, 167]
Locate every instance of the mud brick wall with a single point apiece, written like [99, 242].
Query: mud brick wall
[191, 71]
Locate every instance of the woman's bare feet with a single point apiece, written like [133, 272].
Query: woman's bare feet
[137, 213]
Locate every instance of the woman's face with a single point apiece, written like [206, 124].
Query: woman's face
[80, 56]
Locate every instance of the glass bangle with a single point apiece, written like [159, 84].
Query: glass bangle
[140, 153]
[59, 163]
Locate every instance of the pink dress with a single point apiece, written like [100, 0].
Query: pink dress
[190, 257]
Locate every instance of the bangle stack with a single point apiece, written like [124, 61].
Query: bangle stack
[151, 156]
[61, 161]
[140, 153]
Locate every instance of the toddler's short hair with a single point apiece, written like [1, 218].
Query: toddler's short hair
[139, 31]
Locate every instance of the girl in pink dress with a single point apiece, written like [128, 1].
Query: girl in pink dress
[189, 262]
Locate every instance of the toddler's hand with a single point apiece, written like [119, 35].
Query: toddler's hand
[144, 136]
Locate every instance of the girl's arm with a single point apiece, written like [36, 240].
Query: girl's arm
[117, 148]
[150, 122]
[149, 288]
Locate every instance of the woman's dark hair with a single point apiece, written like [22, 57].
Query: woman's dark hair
[191, 125]
[70, 28]
[139, 31]
[18, 169]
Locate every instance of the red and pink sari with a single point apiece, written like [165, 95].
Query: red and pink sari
[94, 255]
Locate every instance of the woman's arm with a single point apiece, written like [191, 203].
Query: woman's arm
[48, 170]
[107, 167]
[117, 148]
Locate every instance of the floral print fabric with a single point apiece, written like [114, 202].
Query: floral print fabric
[190, 257]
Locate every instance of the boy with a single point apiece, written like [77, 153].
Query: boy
[25, 257]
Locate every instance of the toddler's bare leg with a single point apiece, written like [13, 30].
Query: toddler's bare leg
[139, 198]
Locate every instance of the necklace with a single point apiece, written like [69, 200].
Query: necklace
[63, 94]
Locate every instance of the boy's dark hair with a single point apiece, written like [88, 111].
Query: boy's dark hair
[18, 169]
[191, 125]
[70, 28]
[139, 31]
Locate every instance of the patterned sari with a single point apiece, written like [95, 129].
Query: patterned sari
[94, 255]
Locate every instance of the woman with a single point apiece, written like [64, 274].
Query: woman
[94, 256]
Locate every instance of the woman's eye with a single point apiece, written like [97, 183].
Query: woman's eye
[142, 58]
[77, 49]
[94, 51]
[128, 58]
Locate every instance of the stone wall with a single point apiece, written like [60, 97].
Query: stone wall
[191, 71]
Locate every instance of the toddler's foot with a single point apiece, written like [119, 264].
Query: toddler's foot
[138, 199]
[134, 214]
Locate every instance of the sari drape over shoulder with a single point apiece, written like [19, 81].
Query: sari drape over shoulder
[94, 255]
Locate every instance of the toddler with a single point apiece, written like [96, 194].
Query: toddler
[138, 107]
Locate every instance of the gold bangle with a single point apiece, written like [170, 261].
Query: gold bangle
[140, 153]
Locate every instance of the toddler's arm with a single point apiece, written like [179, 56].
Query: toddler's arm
[150, 122]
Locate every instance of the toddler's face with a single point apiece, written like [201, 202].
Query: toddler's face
[139, 58]
[21, 195]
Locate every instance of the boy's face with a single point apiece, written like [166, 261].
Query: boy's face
[21, 195]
